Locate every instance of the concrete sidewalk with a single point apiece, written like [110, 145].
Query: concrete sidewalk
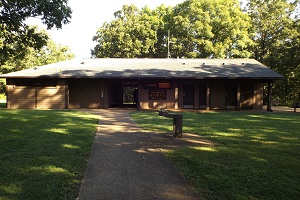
[125, 164]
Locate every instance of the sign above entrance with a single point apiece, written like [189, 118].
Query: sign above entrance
[164, 85]
[157, 85]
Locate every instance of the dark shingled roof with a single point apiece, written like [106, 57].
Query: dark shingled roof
[151, 68]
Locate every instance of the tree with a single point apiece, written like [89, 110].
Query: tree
[15, 44]
[31, 57]
[15, 35]
[272, 22]
[163, 16]
[276, 43]
[52, 53]
[285, 59]
[199, 28]
[210, 28]
[131, 34]
[53, 13]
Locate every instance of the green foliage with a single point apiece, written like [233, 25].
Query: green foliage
[199, 29]
[15, 44]
[52, 53]
[276, 43]
[43, 154]
[53, 13]
[286, 60]
[273, 25]
[2, 90]
[256, 155]
[2, 97]
[16, 36]
[2, 86]
[31, 57]
[131, 34]
[217, 29]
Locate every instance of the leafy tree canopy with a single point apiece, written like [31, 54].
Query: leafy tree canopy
[276, 24]
[211, 28]
[199, 28]
[31, 57]
[131, 34]
[273, 22]
[16, 36]
[53, 13]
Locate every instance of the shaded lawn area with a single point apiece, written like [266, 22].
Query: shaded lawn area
[43, 154]
[257, 156]
[2, 105]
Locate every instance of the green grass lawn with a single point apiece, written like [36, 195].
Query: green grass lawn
[43, 154]
[257, 156]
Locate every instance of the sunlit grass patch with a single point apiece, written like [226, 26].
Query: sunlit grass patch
[70, 146]
[58, 130]
[257, 156]
[212, 149]
[43, 153]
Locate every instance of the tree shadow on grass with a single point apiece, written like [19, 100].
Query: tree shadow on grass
[257, 156]
[43, 153]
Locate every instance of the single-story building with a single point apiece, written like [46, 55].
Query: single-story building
[227, 84]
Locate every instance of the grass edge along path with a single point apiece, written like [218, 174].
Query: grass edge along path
[44, 153]
[257, 156]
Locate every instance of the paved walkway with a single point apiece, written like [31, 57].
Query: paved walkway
[126, 163]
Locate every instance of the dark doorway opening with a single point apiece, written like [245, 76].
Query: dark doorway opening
[188, 96]
[130, 94]
[202, 96]
[231, 97]
[121, 94]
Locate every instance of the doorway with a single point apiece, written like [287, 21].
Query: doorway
[231, 97]
[202, 96]
[188, 96]
[130, 94]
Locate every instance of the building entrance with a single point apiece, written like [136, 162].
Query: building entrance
[188, 96]
[130, 94]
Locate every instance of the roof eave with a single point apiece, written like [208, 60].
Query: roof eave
[143, 77]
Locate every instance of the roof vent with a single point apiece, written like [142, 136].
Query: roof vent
[223, 63]
[243, 63]
[36, 68]
[82, 63]
[204, 63]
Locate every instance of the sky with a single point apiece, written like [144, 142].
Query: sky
[87, 17]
